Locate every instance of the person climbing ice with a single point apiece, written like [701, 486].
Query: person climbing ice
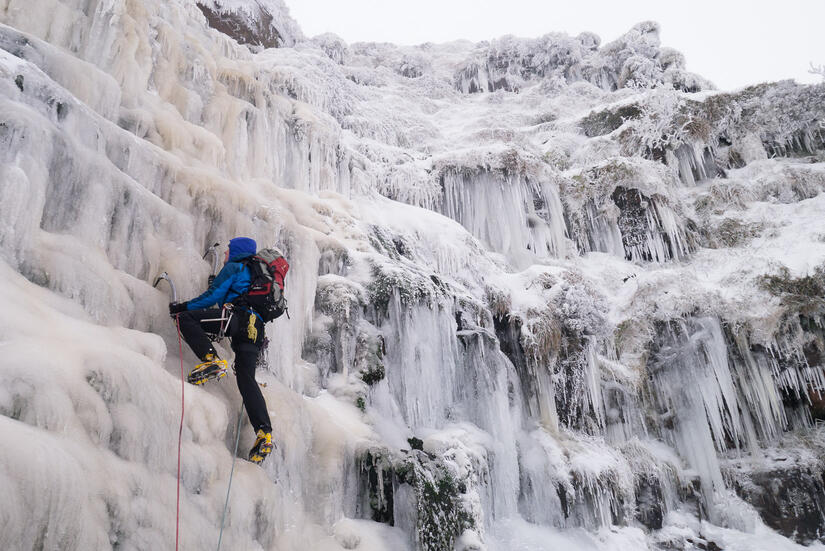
[229, 293]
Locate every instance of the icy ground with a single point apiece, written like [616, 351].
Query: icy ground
[545, 293]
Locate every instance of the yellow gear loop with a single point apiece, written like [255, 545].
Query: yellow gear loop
[252, 331]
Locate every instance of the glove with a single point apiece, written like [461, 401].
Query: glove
[176, 308]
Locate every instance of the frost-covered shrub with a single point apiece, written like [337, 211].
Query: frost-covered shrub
[786, 118]
[410, 287]
[499, 302]
[642, 39]
[685, 81]
[551, 86]
[589, 41]
[598, 182]
[662, 123]
[580, 310]
[365, 76]
[413, 65]
[392, 245]
[554, 347]
[370, 349]
[633, 60]
[438, 494]
[441, 517]
[339, 298]
[730, 232]
[334, 46]
[800, 294]
[639, 72]
[783, 184]
[671, 59]
[509, 62]
[599, 123]
[557, 159]
[723, 195]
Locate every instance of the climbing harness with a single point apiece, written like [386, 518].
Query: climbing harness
[231, 472]
[226, 316]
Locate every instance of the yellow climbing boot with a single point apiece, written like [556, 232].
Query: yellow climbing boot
[262, 447]
[212, 368]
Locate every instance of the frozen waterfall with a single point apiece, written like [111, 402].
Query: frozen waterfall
[545, 293]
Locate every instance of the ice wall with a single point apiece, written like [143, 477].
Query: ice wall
[543, 293]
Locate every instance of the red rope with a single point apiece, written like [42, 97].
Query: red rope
[180, 434]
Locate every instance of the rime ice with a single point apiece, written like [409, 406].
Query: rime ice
[544, 292]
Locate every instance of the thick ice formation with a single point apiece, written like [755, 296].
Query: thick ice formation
[544, 293]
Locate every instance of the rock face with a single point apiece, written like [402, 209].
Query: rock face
[789, 498]
[263, 23]
[543, 294]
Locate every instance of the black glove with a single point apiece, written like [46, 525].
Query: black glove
[176, 308]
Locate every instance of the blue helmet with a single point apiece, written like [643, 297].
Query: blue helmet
[241, 247]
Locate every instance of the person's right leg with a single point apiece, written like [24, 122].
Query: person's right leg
[193, 329]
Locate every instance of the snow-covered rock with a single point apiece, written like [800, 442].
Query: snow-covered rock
[262, 23]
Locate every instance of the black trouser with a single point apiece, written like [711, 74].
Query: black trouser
[194, 331]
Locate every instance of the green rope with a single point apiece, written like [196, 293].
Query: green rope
[231, 472]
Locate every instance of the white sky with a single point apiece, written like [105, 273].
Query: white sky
[731, 42]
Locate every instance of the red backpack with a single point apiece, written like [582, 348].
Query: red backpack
[266, 289]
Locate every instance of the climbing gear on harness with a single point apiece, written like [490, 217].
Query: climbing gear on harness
[212, 368]
[251, 330]
[226, 317]
[262, 447]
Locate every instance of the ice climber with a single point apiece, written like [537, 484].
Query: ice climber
[203, 315]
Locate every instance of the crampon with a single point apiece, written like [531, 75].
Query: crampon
[214, 368]
[262, 447]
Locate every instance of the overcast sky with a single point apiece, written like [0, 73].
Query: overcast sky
[731, 42]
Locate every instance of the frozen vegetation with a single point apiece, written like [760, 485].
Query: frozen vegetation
[545, 293]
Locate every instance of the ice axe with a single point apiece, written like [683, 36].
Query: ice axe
[165, 276]
[214, 251]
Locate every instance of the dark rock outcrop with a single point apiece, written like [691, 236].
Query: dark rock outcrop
[257, 24]
[789, 497]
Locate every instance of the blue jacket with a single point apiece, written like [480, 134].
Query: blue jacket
[233, 279]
